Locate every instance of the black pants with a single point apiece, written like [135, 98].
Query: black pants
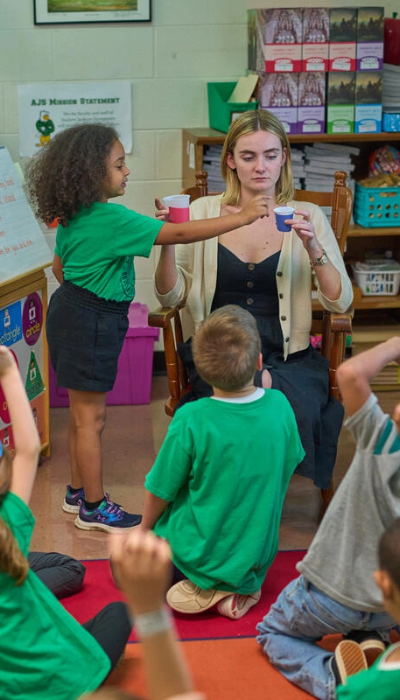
[111, 628]
[63, 575]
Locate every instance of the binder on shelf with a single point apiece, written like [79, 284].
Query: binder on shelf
[221, 112]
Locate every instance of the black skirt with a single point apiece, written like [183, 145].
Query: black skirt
[85, 334]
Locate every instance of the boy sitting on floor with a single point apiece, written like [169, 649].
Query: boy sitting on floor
[383, 679]
[336, 590]
[217, 487]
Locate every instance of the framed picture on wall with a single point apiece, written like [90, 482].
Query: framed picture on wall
[89, 11]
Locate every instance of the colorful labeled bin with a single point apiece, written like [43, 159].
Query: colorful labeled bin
[133, 383]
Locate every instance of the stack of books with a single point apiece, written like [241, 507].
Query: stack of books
[212, 166]
[298, 168]
[391, 97]
[391, 88]
[323, 160]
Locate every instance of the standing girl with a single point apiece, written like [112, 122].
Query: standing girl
[44, 652]
[73, 178]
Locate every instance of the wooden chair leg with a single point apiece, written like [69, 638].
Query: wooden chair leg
[327, 494]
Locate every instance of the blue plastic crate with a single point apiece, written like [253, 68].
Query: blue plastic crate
[376, 206]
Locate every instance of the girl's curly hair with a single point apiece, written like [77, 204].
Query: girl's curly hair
[69, 171]
[12, 561]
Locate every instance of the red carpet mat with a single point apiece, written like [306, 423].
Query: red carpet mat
[99, 590]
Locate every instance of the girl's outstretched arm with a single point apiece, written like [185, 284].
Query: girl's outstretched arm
[26, 438]
[192, 231]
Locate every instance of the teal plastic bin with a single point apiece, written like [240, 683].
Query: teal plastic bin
[376, 206]
[220, 110]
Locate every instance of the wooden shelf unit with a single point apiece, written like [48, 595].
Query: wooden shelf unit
[194, 140]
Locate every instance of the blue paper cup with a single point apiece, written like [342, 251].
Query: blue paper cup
[282, 213]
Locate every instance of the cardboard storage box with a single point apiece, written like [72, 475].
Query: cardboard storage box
[311, 108]
[278, 93]
[341, 102]
[342, 38]
[315, 43]
[370, 26]
[368, 113]
[135, 365]
[274, 40]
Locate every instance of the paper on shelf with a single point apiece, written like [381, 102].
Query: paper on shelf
[244, 89]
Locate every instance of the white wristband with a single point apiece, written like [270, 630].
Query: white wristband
[153, 622]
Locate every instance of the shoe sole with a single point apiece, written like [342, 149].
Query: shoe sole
[350, 659]
[186, 597]
[372, 649]
[235, 611]
[82, 525]
[69, 509]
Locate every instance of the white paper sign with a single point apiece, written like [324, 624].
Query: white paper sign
[48, 108]
[23, 247]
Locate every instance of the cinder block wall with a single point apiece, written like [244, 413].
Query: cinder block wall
[168, 63]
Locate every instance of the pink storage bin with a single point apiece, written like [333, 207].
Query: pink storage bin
[135, 365]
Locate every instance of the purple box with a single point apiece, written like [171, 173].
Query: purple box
[277, 90]
[288, 117]
[135, 365]
[311, 107]
[370, 55]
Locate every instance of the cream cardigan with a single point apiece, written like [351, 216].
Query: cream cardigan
[197, 276]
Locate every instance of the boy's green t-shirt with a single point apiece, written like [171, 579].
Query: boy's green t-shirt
[380, 682]
[44, 653]
[98, 246]
[224, 468]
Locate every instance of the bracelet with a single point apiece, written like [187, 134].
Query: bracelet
[154, 622]
[322, 260]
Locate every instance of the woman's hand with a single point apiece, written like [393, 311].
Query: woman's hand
[305, 230]
[257, 208]
[161, 213]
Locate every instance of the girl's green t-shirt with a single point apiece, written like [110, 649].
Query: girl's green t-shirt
[99, 244]
[44, 652]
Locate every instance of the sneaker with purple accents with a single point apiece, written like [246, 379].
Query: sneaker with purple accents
[108, 517]
[72, 501]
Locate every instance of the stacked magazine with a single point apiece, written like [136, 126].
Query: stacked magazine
[391, 88]
[212, 166]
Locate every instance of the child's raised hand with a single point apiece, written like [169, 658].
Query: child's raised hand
[257, 208]
[161, 212]
[142, 566]
[6, 360]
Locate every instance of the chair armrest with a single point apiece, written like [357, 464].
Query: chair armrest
[161, 317]
[168, 319]
[335, 329]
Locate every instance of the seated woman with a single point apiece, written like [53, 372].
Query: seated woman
[269, 273]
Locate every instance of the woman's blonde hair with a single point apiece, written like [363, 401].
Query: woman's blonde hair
[248, 123]
[12, 561]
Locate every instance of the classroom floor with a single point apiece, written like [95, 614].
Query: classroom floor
[131, 440]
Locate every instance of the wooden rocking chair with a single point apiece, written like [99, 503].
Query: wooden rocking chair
[332, 327]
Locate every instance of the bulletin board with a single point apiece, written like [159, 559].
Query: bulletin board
[24, 254]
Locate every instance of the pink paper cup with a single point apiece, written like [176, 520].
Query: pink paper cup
[178, 205]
